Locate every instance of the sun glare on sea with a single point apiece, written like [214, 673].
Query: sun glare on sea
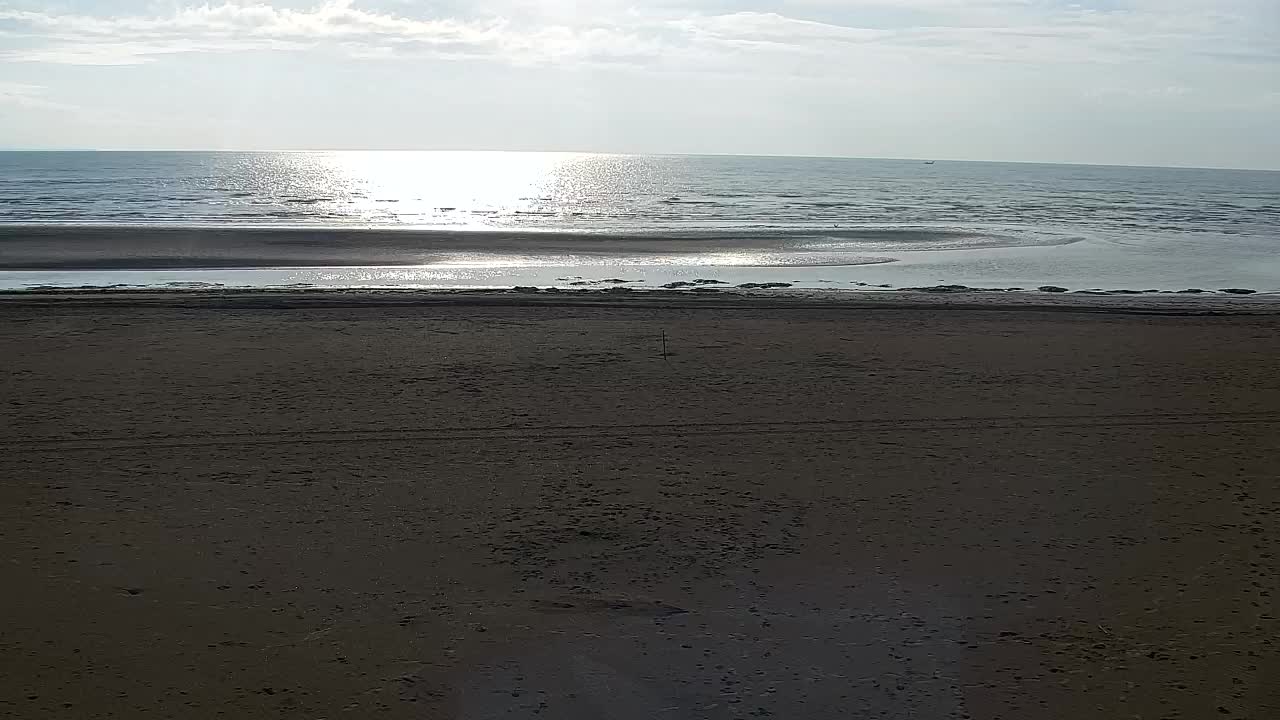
[454, 189]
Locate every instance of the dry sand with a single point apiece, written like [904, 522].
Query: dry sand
[512, 507]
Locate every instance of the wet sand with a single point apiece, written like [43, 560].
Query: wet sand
[106, 247]
[506, 506]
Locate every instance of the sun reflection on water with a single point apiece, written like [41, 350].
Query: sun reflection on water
[480, 190]
[702, 259]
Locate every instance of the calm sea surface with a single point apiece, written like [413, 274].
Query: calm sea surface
[503, 218]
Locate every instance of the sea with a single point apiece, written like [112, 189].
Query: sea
[455, 220]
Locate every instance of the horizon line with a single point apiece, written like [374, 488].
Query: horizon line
[638, 154]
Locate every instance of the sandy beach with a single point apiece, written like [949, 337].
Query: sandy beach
[354, 505]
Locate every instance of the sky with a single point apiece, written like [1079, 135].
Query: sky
[1140, 82]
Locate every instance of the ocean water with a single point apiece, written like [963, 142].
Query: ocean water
[475, 219]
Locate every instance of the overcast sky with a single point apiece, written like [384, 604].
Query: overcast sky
[1156, 82]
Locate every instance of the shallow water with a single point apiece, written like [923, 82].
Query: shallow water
[501, 219]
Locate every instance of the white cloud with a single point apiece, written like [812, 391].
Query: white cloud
[79, 39]
[757, 27]
[1132, 53]
[28, 97]
[664, 33]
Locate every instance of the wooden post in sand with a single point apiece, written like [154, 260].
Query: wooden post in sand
[664, 345]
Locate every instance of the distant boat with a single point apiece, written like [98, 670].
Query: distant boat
[928, 162]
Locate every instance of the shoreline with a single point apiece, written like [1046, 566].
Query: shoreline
[901, 257]
[950, 298]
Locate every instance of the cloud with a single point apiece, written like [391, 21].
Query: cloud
[28, 97]
[1089, 80]
[758, 27]
[669, 34]
[80, 39]
[230, 27]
